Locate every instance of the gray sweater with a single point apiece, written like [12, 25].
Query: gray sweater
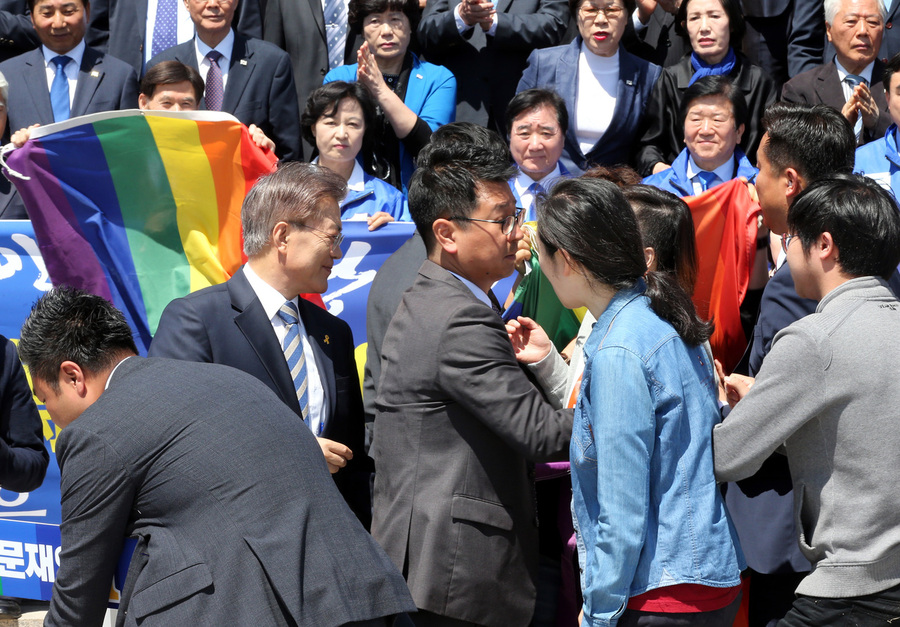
[829, 391]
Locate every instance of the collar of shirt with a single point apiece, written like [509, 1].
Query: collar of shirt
[479, 293]
[76, 54]
[270, 298]
[113, 371]
[225, 47]
[724, 172]
[842, 74]
[357, 180]
[523, 182]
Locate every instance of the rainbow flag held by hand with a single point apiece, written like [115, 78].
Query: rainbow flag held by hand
[139, 207]
[725, 224]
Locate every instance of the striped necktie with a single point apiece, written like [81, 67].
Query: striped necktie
[335, 12]
[853, 80]
[293, 353]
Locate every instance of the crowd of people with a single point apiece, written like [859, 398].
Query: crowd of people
[524, 473]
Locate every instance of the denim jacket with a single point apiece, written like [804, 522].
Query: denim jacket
[645, 501]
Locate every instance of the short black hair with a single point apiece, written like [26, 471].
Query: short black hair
[169, 73]
[890, 68]
[716, 85]
[32, 3]
[358, 10]
[736, 24]
[862, 218]
[533, 99]
[459, 157]
[817, 141]
[67, 324]
[324, 101]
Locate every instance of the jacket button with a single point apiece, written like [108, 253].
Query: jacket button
[889, 25]
[323, 71]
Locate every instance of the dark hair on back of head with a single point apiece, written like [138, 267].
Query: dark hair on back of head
[66, 324]
[667, 227]
[716, 85]
[817, 141]
[536, 98]
[890, 68]
[459, 157]
[324, 102]
[621, 175]
[592, 221]
[862, 218]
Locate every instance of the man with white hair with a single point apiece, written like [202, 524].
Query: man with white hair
[852, 82]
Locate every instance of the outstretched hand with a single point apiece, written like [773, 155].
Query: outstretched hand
[733, 387]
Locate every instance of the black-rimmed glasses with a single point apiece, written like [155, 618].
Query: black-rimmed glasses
[507, 224]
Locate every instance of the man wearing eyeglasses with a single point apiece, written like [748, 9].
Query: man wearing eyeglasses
[457, 423]
[255, 321]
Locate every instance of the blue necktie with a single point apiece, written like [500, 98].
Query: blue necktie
[534, 189]
[59, 90]
[335, 12]
[165, 26]
[296, 360]
[215, 87]
[707, 179]
[853, 80]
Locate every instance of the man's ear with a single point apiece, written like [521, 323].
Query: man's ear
[795, 183]
[825, 247]
[71, 375]
[279, 235]
[445, 233]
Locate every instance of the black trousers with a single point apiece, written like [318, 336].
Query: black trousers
[882, 608]
[717, 618]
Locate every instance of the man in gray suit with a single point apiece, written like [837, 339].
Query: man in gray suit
[237, 520]
[457, 422]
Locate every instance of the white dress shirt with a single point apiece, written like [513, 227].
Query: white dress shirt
[272, 300]
[225, 47]
[526, 199]
[71, 68]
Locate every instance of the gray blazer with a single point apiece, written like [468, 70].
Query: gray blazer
[457, 424]
[104, 84]
[235, 525]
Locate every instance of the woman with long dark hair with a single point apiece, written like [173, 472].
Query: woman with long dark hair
[653, 534]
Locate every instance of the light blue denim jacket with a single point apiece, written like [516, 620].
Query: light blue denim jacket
[645, 501]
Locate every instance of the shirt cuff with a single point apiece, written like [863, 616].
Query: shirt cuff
[493, 29]
[460, 25]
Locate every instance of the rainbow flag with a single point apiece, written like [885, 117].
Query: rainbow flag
[139, 207]
[725, 224]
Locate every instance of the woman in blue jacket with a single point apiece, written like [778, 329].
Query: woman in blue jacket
[338, 120]
[413, 98]
[653, 534]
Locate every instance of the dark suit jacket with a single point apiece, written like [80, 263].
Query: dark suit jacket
[118, 27]
[226, 324]
[23, 458]
[662, 44]
[822, 86]
[890, 40]
[16, 31]
[260, 90]
[104, 84]
[488, 68]
[663, 139]
[457, 423]
[236, 518]
[556, 68]
[298, 27]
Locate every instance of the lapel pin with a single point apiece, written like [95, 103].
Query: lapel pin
[629, 82]
[243, 61]
[327, 341]
[95, 73]
[419, 76]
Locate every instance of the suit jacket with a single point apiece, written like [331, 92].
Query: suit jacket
[488, 68]
[23, 458]
[104, 84]
[662, 44]
[16, 31]
[663, 138]
[554, 68]
[118, 27]
[226, 324]
[821, 85]
[456, 425]
[236, 519]
[260, 90]
[890, 40]
[298, 27]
